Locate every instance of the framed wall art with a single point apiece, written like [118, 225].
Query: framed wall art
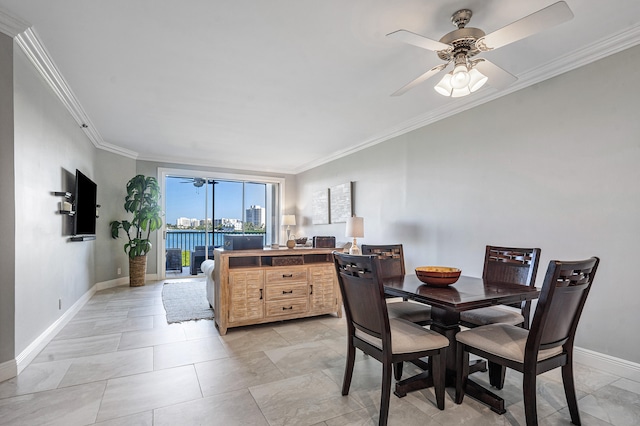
[340, 205]
[320, 207]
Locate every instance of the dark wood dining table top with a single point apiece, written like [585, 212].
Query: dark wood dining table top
[465, 294]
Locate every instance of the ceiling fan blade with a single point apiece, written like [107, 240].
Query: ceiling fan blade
[418, 40]
[538, 21]
[427, 75]
[498, 77]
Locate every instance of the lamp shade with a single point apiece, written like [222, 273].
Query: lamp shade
[355, 227]
[288, 219]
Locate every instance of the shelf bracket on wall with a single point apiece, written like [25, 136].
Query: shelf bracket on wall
[66, 207]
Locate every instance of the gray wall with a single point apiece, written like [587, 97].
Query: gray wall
[112, 174]
[49, 146]
[554, 166]
[7, 206]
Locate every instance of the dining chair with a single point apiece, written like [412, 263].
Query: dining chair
[506, 265]
[547, 345]
[389, 340]
[391, 258]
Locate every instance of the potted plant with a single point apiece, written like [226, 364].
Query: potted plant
[143, 200]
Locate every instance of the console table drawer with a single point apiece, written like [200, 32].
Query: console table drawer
[285, 275]
[286, 291]
[291, 306]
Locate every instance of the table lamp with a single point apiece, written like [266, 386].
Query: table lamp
[288, 219]
[355, 229]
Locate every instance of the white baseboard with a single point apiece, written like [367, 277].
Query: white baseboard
[8, 370]
[122, 281]
[619, 367]
[26, 356]
[111, 283]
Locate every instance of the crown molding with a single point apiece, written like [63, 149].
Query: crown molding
[208, 162]
[618, 42]
[11, 25]
[30, 44]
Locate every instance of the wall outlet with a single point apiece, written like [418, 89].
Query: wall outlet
[60, 304]
[119, 271]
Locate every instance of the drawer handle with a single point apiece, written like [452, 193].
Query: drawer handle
[311, 288]
[287, 275]
[260, 294]
[287, 309]
[287, 292]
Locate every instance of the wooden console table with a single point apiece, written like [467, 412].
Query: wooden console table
[260, 286]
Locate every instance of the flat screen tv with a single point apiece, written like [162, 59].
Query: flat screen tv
[85, 205]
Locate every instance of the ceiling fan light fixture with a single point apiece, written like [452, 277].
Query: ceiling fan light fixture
[448, 86]
[476, 80]
[460, 76]
[444, 87]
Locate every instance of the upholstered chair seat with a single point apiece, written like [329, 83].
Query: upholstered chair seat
[407, 338]
[503, 340]
[415, 312]
[492, 315]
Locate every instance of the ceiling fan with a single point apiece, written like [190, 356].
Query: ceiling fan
[197, 182]
[461, 45]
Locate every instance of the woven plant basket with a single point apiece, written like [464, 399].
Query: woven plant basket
[137, 271]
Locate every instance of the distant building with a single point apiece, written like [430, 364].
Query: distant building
[203, 222]
[228, 225]
[183, 222]
[256, 215]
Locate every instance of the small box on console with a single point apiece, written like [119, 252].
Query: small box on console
[243, 242]
[324, 242]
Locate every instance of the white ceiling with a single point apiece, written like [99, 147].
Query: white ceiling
[285, 85]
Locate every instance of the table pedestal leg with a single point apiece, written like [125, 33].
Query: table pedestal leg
[484, 395]
[446, 323]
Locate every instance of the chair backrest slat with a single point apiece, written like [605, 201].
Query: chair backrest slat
[562, 298]
[363, 293]
[391, 258]
[511, 265]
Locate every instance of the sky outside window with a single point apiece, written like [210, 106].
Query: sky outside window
[186, 200]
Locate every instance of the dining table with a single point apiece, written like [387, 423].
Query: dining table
[446, 304]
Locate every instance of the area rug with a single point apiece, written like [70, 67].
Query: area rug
[186, 301]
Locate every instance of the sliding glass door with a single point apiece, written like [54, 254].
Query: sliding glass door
[201, 210]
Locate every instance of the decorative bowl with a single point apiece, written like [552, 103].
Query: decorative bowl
[439, 276]
[301, 241]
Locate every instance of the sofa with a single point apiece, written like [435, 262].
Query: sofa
[207, 268]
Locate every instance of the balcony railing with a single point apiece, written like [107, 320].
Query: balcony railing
[188, 240]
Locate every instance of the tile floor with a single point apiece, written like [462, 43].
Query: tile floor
[119, 363]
